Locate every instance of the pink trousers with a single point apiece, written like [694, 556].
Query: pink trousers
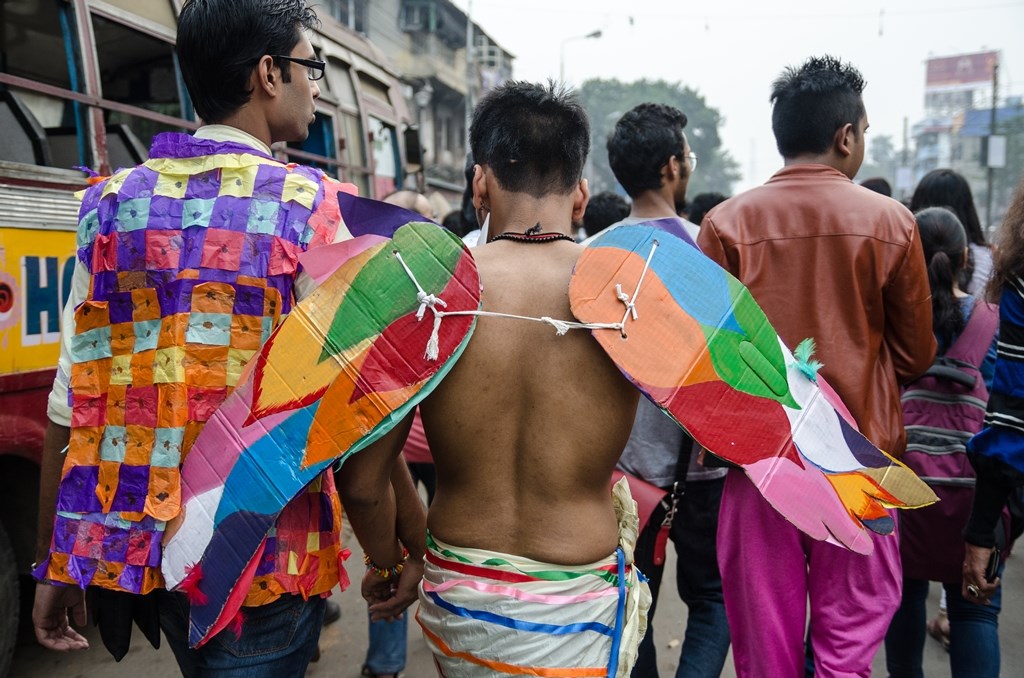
[770, 570]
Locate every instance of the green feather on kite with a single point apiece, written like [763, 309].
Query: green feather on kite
[804, 360]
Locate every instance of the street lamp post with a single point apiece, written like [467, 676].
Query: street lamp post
[561, 62]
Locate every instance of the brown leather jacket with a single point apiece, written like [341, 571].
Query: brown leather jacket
[831, 260]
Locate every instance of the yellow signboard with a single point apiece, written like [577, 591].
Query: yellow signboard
[36, 267]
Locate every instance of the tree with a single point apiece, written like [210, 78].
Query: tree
[607, 100]
[882, 160]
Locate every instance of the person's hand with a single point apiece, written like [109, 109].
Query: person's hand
[975, 588]
[402, 593]
[50, 617]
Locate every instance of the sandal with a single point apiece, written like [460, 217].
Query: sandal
[938, 629]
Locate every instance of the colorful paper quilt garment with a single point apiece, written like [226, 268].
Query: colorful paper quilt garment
[191, 257]
[344, 368]
[697, 345]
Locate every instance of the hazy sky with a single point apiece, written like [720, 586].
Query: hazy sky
[731, 50]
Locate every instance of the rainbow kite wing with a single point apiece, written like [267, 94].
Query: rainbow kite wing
[700, 348]
[345, 366]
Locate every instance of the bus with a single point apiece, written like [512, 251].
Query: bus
[84, 87]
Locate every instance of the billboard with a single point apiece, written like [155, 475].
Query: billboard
[960, 71]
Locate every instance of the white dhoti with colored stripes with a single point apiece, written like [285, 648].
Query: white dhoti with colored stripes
[486, 613]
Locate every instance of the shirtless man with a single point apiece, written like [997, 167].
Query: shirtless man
[526, 566]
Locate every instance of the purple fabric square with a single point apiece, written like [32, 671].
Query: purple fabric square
[266, 565]
[164, 213]
[296, 223]
[283, 284]
[106, 214]
[230, 213]
[326, 515]
[82, 569]
[131, 578]
[205, 185]
[85, 256]
[122, 308]
[160, 278]
[103, 285]
[248, 301]
[139, 184]
[269, 183]
[218, 275]
[131, 250]
[115, 544]
[178, 145]
[91, 199]
[153, 560]
[192, 240]
[255, 255]
[78, 490]
[175, 297]
[132, 488]
[64, 532]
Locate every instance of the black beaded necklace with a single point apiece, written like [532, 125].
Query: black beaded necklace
[532, 235]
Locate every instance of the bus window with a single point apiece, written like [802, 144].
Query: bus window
[160, 13]
[23, 139]
[386, 161]
[351, 146]
[138, 70]
[319, 142]
[39, 44]
[354, 153]
[33, 45]
[374, 89]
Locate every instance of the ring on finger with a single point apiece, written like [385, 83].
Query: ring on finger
[974, 590]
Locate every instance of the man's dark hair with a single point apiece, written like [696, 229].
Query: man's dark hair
[644, 139]
[701, 205]
[220, 41]
[878, 185]
[535, 138]
[603, 210]
[811, 102]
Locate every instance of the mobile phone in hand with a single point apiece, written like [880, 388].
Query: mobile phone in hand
[994, 561]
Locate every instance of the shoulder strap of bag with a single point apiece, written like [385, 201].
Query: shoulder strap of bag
[974, 342]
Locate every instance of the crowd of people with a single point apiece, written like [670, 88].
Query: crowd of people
[525, 561]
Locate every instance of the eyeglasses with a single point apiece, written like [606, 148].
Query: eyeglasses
[314, 68]
[692, 157]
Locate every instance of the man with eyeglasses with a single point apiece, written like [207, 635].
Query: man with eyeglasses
[651, 158]
[186, 265]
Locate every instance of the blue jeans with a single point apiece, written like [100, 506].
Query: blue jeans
[386, 653]
[693, 532]
[973, 634]
[277, 640]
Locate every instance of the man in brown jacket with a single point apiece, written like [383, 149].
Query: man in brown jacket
[831, 260]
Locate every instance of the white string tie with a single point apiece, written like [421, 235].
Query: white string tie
[561, 326]
[624, 298]
[428, 301]
[630, 301]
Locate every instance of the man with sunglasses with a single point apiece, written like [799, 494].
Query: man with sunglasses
[186, 265]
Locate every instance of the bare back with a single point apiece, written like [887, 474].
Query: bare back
[527, 428]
